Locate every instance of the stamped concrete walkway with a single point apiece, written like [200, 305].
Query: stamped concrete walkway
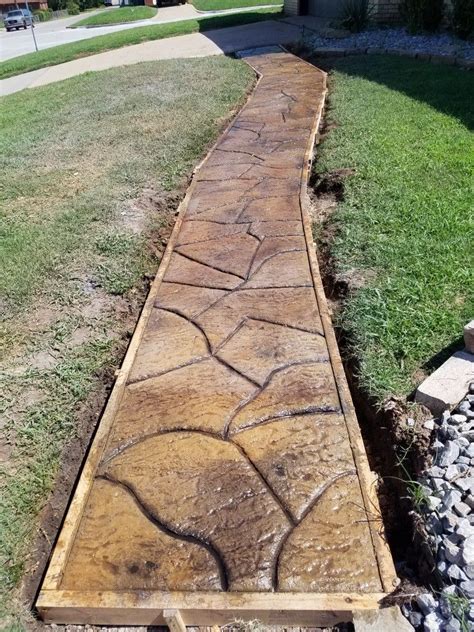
[228, 463]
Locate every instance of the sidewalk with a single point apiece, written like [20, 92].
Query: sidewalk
[228, 478]
[216, 42]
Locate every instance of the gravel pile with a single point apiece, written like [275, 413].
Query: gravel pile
[439, 44]
[448, 509]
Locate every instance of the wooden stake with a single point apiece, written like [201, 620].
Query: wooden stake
[174, 620]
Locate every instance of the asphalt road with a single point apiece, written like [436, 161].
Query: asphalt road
[55, 32]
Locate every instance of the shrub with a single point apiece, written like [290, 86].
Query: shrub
[422, 15]
[462, 20]
[43, 15]
[73, 8]
[356, 14]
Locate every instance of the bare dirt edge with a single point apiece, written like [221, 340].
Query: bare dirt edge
[89, 413]
[396, 451]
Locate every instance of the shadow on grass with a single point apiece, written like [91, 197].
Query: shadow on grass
[440, 358]
[447, 89]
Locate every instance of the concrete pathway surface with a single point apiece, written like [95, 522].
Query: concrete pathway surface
[229, 463]
[215, 42]
[56, 32]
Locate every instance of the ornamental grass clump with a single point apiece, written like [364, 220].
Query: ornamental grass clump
[356, 15]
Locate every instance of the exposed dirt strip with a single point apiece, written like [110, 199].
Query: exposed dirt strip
[228, 464]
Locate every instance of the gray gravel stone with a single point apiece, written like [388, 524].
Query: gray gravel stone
[455, 573]
[470, 451]
[449, 453]
[452, 552]
[468, 588]
[450, 498]
[462, 509]
[457, 419]
[464, 529]
[426, 603]
[432, 623]
[450, 522]
[453, 625]
[452, 471]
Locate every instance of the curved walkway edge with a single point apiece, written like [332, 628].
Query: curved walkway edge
[228, 477]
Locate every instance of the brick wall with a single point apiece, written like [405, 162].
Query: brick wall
[387, 10]
[291, 7]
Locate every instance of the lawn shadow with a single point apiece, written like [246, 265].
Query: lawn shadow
[447, 89]
[250, 30]
[439, 358]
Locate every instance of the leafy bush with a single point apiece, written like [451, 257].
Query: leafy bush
[422, 15]
[463, 17]
[73, 8]
[356, 14]
[43, 15]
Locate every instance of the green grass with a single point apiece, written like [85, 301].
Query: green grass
[118, 16]
[406, 222]
[216, 5]
[85, 204]
[101, 43]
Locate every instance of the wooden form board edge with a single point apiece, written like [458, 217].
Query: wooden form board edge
[56, 605]
[367, 478]
[204, 608]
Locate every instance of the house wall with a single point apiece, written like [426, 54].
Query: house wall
[387, 10]
[384, 10]
[8, 5]
[291, 7]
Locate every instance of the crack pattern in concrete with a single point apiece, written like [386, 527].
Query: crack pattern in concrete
[229, 465]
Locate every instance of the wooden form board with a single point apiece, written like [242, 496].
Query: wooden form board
[248, 205]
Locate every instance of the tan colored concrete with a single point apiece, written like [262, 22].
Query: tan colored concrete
[234, 437]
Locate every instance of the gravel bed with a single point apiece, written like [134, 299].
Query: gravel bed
[442, 44]
[446, 502]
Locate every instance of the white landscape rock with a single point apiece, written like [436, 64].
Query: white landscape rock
[469, 336]
[447, 386]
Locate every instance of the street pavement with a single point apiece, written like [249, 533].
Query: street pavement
[216, 42]
[55, 32]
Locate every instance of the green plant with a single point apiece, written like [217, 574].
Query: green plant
[422, 15]
[73, 8]
[43, 15]
[462, 18]
[460, 608]
[356, 14]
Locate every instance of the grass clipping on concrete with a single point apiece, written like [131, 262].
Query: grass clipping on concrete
[83, 48]
[404, 228]
[89, 192]
[122, 15]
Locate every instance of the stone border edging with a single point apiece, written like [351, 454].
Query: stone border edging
[447, 60]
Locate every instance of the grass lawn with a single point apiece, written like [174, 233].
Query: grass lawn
[405, 225]
[118, 16]
[83, 48]
[216, 5]
[88, 198]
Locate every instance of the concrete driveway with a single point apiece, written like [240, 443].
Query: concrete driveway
[55, 32]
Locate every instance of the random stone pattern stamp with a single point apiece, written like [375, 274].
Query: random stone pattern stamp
[229, 465]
